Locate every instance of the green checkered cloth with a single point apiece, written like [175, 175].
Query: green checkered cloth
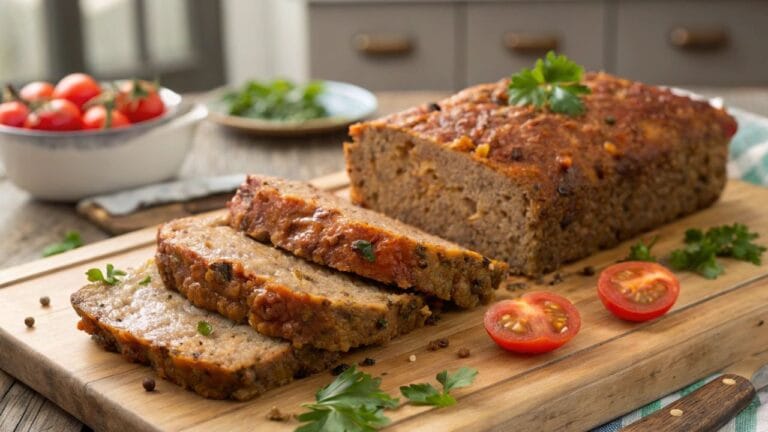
[748, 161]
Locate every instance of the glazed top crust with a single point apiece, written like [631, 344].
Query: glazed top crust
[626, 126]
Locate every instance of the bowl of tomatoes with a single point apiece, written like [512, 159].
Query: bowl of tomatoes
[80, 137]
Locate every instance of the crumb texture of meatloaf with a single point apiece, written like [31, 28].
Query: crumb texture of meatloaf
[149, 324]
[328, 230]
[221, 269]
[537, 189]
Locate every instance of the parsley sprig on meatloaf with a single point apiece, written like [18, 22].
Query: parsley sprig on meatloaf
[554, 82]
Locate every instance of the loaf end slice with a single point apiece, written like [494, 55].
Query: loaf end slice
[149, 324]
[331, 231]
[223, 270]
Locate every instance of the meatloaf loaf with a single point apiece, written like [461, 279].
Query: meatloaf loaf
[331, 231]
[221, 269]
[536, 188]
[148, 324]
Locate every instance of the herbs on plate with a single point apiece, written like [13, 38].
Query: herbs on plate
[71, 240]
[279, 99]
[553, 83]
[427, 394]
[354, 401]
[112, 277]
[701, 249]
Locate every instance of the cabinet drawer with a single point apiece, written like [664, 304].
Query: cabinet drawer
[385, 46]
[693, 42]
[502, 38]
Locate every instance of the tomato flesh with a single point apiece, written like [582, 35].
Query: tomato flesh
[535, 323]
[638, 291]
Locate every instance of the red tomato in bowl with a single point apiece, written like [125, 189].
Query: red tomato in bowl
[139, 101]
[638, 290]
[55, 115]
[36, 91]
[96, 118]
[13, 113]
[537, 322]
[77, 88]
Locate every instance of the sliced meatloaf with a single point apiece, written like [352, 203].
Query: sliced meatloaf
[223, 270]
[536, 188]
[148, 324]
[331, 231]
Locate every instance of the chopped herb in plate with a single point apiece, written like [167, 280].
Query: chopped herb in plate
[72, 240]
[112, 277]
[427, 394]
[279, 100]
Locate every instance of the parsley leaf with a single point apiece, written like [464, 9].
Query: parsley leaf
[146, 280]
[353, 402]
[641, 251]
[702, 248]
[113, 275]
[365, 248]
[72, 240]
[553, 82]
[427, 394]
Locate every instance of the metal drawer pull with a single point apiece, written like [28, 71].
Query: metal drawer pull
[382, 44]
[525, 43]
[698, 39]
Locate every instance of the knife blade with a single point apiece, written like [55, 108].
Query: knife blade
[714, 404]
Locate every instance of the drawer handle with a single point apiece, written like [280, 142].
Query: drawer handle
[698, 39]
[383, 44]
[525, 43]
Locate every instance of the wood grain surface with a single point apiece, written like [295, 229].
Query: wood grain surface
[714, 323]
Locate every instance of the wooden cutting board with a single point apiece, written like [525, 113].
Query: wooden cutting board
[610, 368]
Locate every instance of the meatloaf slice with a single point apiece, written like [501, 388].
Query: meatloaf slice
[536, 188]
[148, 324]
[223, 270]
[331, 231]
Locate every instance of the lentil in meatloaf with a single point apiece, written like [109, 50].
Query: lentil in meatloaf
[148, 324]
[280, 295]
[536, 188]
[327, 229]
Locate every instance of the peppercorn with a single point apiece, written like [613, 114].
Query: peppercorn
[29, 322]
[463, 352]
[339, 369]
[588, 271]
[148, 384]
[367, 362]
[45, 301]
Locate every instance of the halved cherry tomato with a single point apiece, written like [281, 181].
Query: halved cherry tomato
[36, 91]
[77, 88]
[13, 113]
[96, 118]
[537, 322]
[55, 115]
[637, 290]
[139, 101]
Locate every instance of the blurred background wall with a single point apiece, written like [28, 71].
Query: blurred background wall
[193, 45]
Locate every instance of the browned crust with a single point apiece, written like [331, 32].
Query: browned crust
[324, 235]
[277, 310]
[207, 379]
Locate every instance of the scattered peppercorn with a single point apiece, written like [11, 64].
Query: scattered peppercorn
[432, 345]
[275, 414]
[367, 362]
[463, 352]
[588, 271]
[339, 369]
[45, 301]
[443, 342]
[433, 106]
[148, 384]
[29, 322]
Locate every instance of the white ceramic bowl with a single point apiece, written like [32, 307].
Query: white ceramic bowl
[68, 166]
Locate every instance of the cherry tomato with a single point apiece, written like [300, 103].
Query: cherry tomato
[537, 322]
[77, 88]
[13, 113]
[36, 91]
[96, 118]
[139, 101]
[637, 290]
[55, 115]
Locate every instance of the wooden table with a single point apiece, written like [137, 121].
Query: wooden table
[27, 226]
